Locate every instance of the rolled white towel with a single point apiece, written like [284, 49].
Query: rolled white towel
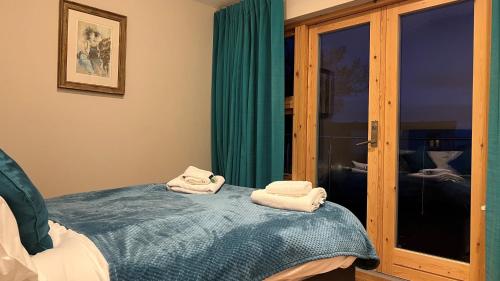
[289, 188]
[307, 203]
[194, 175]
[180, 185]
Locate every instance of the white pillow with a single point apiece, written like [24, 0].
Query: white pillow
[442, 158]
[15, 262]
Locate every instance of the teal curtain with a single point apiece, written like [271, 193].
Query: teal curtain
[493, 189]
[248, 93]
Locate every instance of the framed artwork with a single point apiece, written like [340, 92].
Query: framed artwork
[92, 49]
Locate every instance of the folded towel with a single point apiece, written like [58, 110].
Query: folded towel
[307, 203]
[194, 175]
[289, 188]
[180, 185]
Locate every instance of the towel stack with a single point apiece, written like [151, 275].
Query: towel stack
[196, 181]
[290, 195]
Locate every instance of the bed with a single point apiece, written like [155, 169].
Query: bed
[148, 233]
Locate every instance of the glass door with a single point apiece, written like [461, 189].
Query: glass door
[343, 114]
[433, 140]
[397, 103]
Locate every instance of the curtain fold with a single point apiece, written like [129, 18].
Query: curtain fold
[248, 92]
[493, 188]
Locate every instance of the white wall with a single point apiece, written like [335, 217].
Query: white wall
[298, 8]
[293, 8]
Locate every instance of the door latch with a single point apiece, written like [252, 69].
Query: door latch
[373, 141]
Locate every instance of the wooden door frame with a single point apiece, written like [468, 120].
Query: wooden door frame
[302, 133]
[301, 33]
[418, 266]
[375, 111]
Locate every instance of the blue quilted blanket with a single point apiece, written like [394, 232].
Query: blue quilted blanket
[148, 233]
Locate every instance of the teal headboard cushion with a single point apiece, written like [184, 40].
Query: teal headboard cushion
[27, 205]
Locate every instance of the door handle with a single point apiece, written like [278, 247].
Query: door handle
[373, 141]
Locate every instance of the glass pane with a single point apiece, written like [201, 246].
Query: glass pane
[289, 64]
[343, 117]
[288, 143]
[436, 131]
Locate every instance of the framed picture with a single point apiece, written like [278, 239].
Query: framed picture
[92, 49]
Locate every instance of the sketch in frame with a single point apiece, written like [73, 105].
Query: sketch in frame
[91, 49]
[94, 49]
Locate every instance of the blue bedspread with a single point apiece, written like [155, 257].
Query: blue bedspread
[147, 233]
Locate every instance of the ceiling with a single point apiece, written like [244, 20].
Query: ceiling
[219, 3]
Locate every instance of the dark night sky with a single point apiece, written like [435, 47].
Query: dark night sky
[356, 40]
[436, 66]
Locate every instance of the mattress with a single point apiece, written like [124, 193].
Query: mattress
[76, 258]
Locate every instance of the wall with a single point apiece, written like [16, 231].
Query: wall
[294, 9]
[298, 8]
[70, 141]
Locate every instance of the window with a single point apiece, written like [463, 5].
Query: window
[289, 64]
[289, 81]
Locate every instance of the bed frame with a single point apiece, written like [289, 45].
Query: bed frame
[340, 274]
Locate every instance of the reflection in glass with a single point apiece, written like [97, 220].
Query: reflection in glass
[435, 131]
[288, 143]
[343, 117]
[289, 64]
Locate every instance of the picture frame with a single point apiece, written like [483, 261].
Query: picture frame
[92, 49]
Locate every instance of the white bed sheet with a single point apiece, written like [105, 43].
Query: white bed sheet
[76, 258]
[73, 258]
